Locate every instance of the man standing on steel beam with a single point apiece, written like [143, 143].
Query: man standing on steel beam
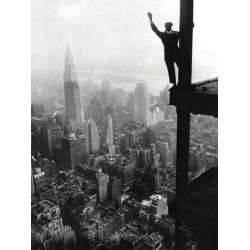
[170, 40]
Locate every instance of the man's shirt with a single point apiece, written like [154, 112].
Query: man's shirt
[169, 40]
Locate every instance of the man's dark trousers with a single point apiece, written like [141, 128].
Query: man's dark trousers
[170, 60]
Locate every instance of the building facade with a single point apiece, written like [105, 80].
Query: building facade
[48, 231]
[92, 137]
[149, 136]
[71, 89]
[110, 140]
[71, 153]
[141, 103]
[154, 208]
[51, 137]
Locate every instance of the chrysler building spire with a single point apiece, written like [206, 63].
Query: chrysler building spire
[71, 90]
[69, 66]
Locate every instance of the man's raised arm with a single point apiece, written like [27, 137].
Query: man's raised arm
[153, 26]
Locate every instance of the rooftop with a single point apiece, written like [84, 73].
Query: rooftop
[131, 236]
[35, 118]
[42, 207]
[146, 202]
[152, 239]
[76, 194]
[156, 197]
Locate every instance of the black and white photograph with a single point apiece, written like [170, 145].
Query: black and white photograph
[119, 137]
[124, 125]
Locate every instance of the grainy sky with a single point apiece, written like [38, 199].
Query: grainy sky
[115, 34]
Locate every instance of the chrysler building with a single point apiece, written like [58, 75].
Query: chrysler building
[71, 90]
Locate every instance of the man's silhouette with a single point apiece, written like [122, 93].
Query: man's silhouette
[170, 40]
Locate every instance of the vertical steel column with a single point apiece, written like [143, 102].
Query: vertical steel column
[186, 42]
[182, 161]
[184, 84]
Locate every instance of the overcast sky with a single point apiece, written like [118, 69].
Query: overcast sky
[115, 34]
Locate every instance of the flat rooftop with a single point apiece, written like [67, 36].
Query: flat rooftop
[131, 236]
[152, 239]
[156, 197]
[146, 202]
[42, 207]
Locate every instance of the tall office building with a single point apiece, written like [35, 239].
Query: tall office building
[51, 136]
[37, 124]
[71, 90]
[141, 103]
[124, 143]
[105, 93]
[92, 137]
[130, 103]
[126, 172]
[131, 137]
[123, 168]
[95, 109]
[166, 156]
[154, 161]
[102, 185]
[110, 131]
[71, 152]
[149, 136]
[143, 157]
[114, 187]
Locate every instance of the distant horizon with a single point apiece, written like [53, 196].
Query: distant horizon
[156, 81]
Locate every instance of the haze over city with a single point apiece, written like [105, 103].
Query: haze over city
[115, 36]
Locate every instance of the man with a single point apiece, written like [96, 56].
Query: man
[170, 40]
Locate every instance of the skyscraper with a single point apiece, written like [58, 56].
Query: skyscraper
[71, 89]
[149, 136]
[92, 137]
[154, 162]
[37, 124]
[130, 103]
[51, 136]
[131, 136]
[124, 143]
[141, 103]
[166, 156]
[110, 130]
[105, 93]
[71, 152]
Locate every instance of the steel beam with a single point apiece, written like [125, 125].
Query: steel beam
[183, 117]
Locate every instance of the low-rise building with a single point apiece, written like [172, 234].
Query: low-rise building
[47, 230]
[152, 210]
[100, 178]
[131, 240]
[153, 241]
